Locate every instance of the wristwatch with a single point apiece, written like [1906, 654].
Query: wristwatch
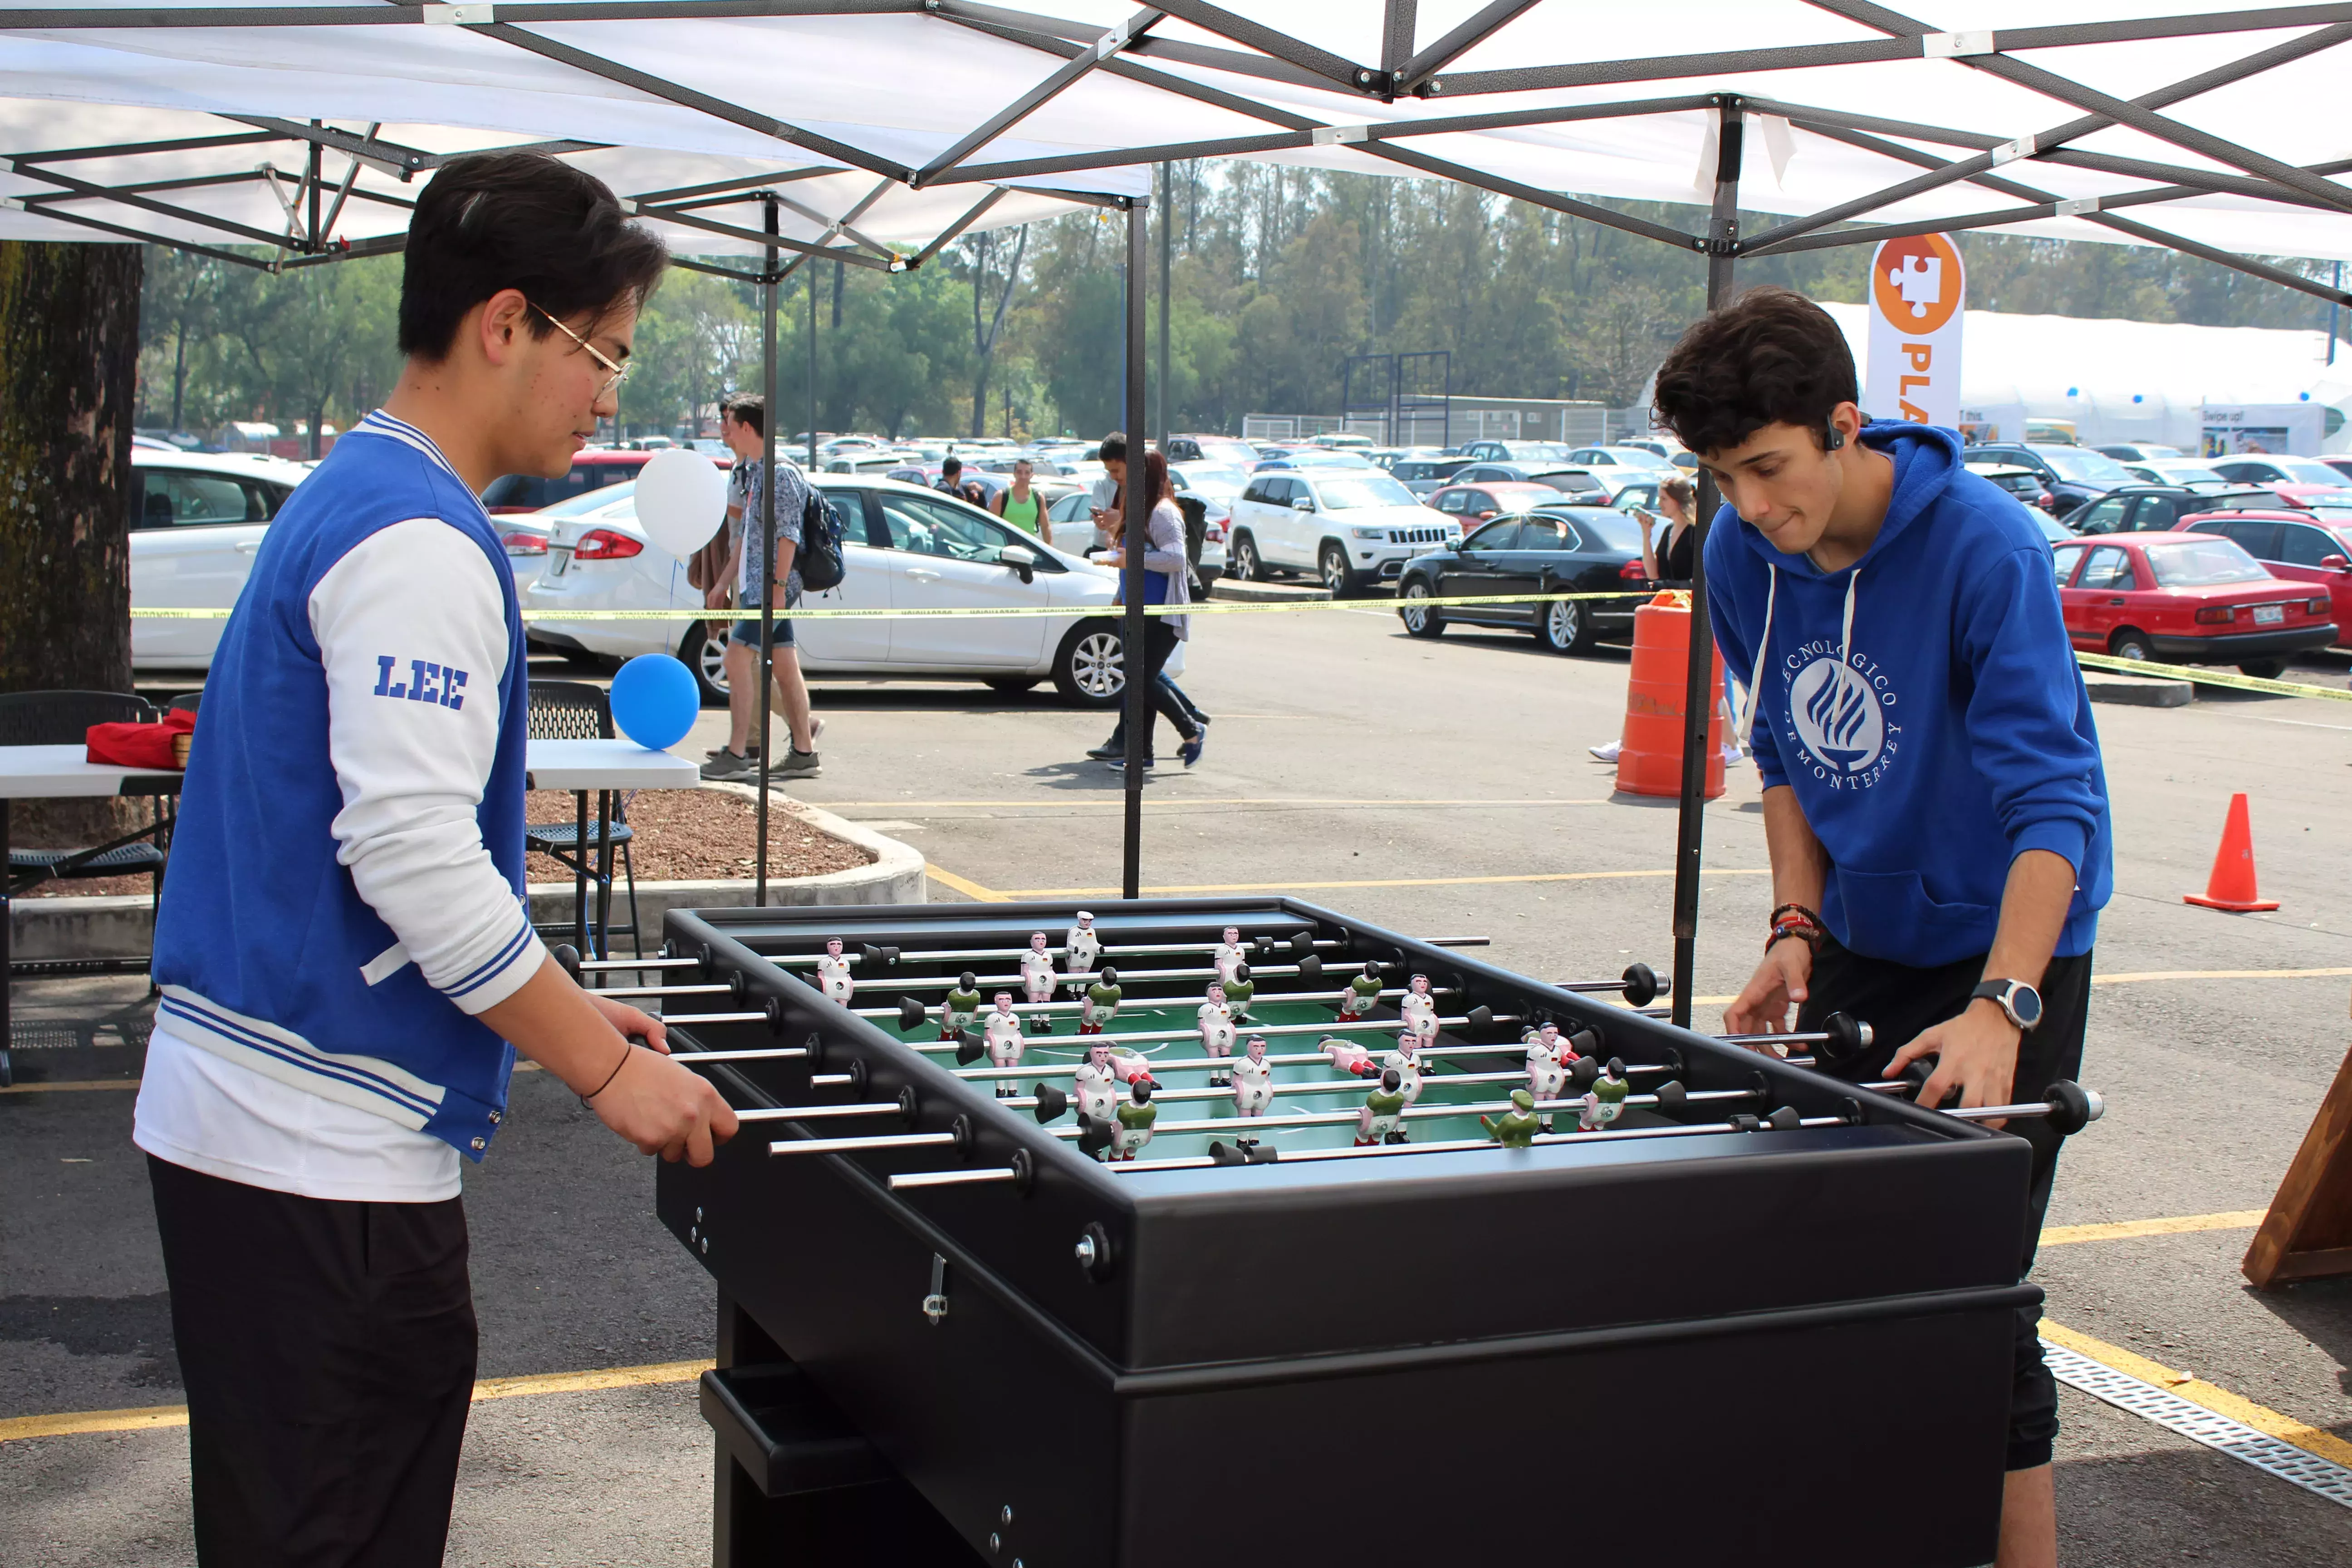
[2020, 1000]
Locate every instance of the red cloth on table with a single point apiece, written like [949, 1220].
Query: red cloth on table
[140, 746]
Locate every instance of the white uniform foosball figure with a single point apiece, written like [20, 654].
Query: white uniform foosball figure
[1419, 1007]
[1253, 1085]
[1129, 1066]
[1001, 1033]
[1229, 955]
[1216, 1024]
[1038, 979]
[833, 975]
[1098, 1085]
[1406, 1063]
[1546, 1074]
[1081, 948]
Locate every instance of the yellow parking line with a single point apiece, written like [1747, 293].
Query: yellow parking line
[1119, 801]
[2197, 1391]
[2179, 1225]
[77, 1083]
[968, 889]
[17, 1429]
[2220, 974]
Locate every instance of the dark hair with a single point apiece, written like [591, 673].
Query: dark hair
[950, 466]
[750, 408]
[1679, 490]
[1156, 488]
[518, 220]
[1770, 357]
[1113, 448]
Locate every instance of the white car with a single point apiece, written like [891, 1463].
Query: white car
[905, 548]
[1073, 520]
[1349, 527]
[1601, 459]
[196, 520]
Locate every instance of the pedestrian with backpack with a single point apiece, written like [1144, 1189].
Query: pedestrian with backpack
[743, 429]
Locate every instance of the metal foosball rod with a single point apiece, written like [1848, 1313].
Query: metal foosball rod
[1640, 984]
[1298, 944]
[1477, 1018]
[912, 1015]
[1418, 1112]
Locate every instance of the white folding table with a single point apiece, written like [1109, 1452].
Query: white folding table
[584, 767]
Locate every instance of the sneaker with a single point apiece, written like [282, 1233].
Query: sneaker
[1190, 750]
[1608, 752]
[1119, 762]
[1108, 749]
[1733, 756]
[797, 764]
[728, 764]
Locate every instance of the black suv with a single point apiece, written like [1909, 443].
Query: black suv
[2072, 474]
[2154, 509]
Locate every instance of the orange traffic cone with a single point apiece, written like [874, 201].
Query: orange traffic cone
[1650, 760]
[2232, 885]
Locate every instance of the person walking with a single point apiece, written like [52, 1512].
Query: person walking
[1166, 581]
[743, 430]
[1021, 506]
[1104, 493]
[952, 482]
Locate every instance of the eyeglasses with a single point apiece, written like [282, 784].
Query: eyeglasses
[620, 372]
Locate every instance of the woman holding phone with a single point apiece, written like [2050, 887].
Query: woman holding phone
[1668, 562]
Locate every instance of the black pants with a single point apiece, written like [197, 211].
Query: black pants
[1159, 648]
[328, 1351]
[1898, 1003]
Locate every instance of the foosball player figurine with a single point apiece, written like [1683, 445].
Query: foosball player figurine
[1382, 1119]
[1253, 1085]
[1003, 1039]
[1101, 1004]
[1135, 1120]
[1546, 1073]
[1099, 1085]
[1081, 947]
[1605, 1101]
[1406, 1063]
[832, 974]
[1038, 979]
[1360, 993]
[1239, 989]
[1216, 1032]
[1516, 1128]
[1419, 1007]
[1349, 1056]
[1229, 954]
[1130, 1067]
[961, 1009]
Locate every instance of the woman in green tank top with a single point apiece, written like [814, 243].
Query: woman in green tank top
[1022, 507]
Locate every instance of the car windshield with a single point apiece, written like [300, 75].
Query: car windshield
[1615, 530]
[2187, 474]
[2085, 465]
[1352, 494]
[1220, 482]
[2303, 471]
[1536, 451]
[2202, 563]
[1575, 481]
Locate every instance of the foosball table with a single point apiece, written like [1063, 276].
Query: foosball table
[1460, 1264]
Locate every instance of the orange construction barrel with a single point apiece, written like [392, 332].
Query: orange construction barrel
[1651, 759]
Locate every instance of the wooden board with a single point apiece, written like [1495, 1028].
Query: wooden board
[2308, 1234]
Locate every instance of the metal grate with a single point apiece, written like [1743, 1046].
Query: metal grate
[2199, 1425]
[43, 1036]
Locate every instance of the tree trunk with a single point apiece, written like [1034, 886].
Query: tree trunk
[69, 315]
[179, 373]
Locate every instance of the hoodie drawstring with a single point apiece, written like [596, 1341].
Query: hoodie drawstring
[1845, 627]
[1764, 644]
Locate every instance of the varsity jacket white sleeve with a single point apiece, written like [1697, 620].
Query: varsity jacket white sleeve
[412, 763]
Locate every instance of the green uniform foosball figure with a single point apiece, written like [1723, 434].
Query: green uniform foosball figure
[1135, 1120]
[1516, 1128]
[1604, 1101]
[1238, 991]
[962, 1008]
[1382, 1119]
[1362, 991]
[1101, 1004]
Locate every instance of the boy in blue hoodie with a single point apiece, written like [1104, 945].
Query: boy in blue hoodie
[1934, 804]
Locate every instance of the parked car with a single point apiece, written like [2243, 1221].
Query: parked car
[1349, 527]
[1576, 482]
[1425, 473]
[2023, 483]
[2138, 451]
[1075, 533]
[904, 548]
[1553, 549]
[1550, 453]
[591, 470]
[2342, 465]
[1475, 504]
[2175, 471]
[2072, 474]
[2293, 546]
[1318, 458]
[1347, 440]
[196, 520]
[2263, 468]
[2156, 508]
[1603, 458]
[2193, 597]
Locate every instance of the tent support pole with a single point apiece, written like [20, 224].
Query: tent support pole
[1135, 526]
[810, 280]
[1160, 390]
[1698, 705]
[767, 534]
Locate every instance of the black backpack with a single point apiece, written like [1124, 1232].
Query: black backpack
[820, 561]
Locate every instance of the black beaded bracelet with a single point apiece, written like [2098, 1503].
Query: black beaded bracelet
[626, 1049]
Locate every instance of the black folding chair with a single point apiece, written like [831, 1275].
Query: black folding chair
[63, 719]
[576, 710]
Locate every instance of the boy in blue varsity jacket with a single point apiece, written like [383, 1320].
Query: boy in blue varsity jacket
[1934, 803]
[346, 963]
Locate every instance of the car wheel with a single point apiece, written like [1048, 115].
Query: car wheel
[2132, 645]
[1331, 567]
[1012, 685]
[706, 657]
[1566, 626]
[1090, 667]
[1247, 567]
[1419, 619]
[2263, 669]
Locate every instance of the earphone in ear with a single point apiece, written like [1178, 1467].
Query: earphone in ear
[1833, 439]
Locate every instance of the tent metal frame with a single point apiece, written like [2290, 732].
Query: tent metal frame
[1245, 51]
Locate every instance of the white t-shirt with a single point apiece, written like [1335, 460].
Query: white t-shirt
[200, 1109]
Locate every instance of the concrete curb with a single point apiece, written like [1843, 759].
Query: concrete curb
[123, 926]
[1266, 592]
[2137, 691]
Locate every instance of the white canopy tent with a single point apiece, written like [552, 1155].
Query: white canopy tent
[2057, 116]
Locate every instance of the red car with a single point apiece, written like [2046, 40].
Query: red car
[2193, 598]
[2314, 547]
[1475, 504]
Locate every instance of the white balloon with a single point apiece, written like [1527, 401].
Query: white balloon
[681, 499]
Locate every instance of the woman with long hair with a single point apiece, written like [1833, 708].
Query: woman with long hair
[1166, 581]
[1670, 563]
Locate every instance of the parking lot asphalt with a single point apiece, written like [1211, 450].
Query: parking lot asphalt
[1440, 788]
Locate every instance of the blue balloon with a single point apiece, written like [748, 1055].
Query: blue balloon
[655, 700]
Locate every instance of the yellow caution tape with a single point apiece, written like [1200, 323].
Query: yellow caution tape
[2211, 678]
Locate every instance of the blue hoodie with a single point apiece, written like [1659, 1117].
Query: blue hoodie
[1926, 706]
